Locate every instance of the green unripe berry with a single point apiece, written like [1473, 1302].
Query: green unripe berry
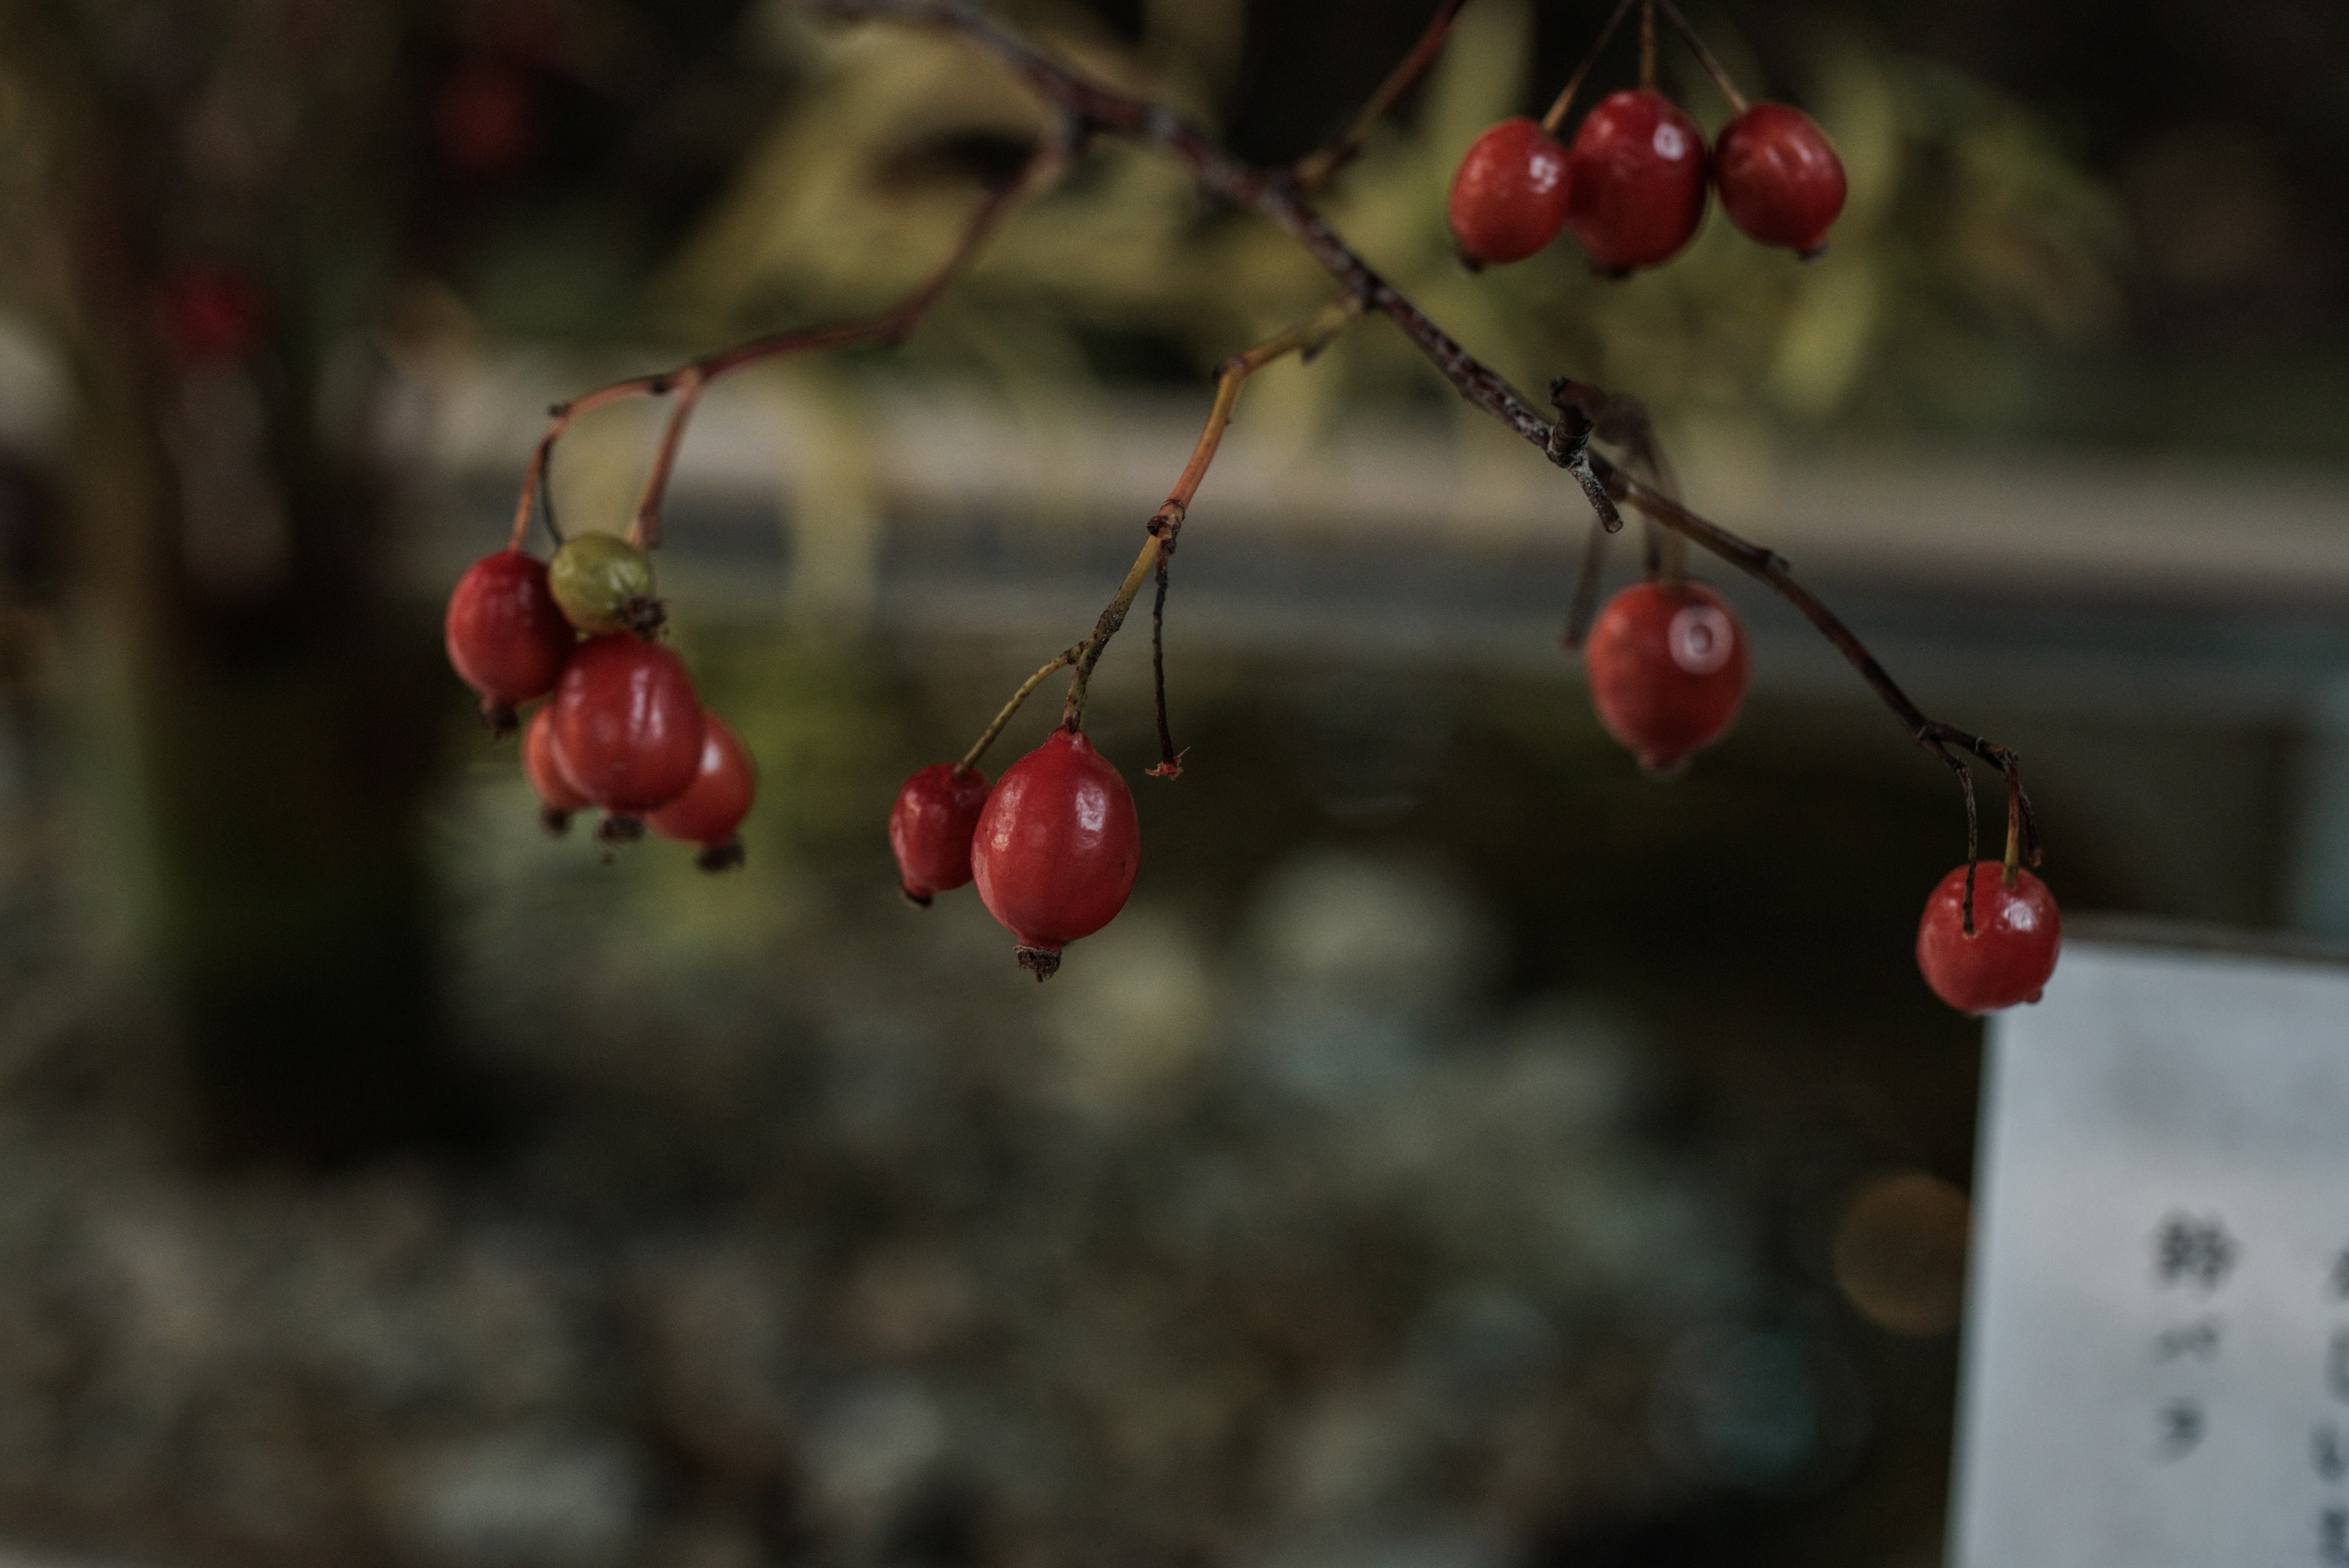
[603, 584]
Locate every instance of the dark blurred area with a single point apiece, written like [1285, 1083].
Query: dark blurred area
[1464, 1151]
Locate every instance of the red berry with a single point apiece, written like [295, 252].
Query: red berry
[930, 829]
[507, 638]
[543, 765]
[1057, 847]
[1635, 180]
[627, 723]
[714, 804]
[2012, 952]
[1667, 670]
[212, 313]
[1508, 199]
[1779, 178]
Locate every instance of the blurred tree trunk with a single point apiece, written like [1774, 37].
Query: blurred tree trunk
[234, 538]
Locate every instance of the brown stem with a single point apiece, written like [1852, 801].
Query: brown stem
[1170, 760]
[1162, 531]
[1555, 116]
[1648, 45]
[1318, 166]
[890, 326]
[1705, 56]
[644, 528]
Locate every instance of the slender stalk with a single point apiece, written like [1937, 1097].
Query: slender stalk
[644, 528]
[1027, 689]
[1318, 166]
[1648, 45]
[1170, 760]
[1705, 56]
[1072, 711]
[1555, 116]
[1307, 337]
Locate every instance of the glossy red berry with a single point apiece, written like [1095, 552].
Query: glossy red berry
[627, 723]
[1508, 199]
[1635, 180]
[558, 797]
[1668, 669]
[1779, 178]
[714, 804]
[506, 637]
[930, 829]
[2017, 934]
[1057, 847]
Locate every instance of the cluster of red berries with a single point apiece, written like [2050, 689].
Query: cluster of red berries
[1631, 185]
[1053, 846]
[1667, 664]
[623, 730]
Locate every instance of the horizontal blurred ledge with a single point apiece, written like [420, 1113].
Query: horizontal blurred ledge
[2198, 532]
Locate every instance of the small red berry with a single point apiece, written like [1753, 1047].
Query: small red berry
[627, 724]
[1779, 178]
[1668, 668]
[930, 829]
[2017, 934]
[714, 804]
[1057, 848]
[1508, 199]
[1635, 180]
[212, 314]
[506, 637]
[558, 797]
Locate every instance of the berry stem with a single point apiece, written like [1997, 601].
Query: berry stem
[1027, 689]
[645, 526]
[2014, 810]
[1705, 56]
[1648, 45]
[1319, 165]
[1560, 106]
[1170, 760]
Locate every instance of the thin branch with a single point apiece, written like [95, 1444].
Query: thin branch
[1318, 166]
[644, 528]
[1170, 760]
[890, 327]
[1705, 56]
[1307, 337]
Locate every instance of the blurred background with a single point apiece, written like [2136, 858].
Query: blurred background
[1464, 1151]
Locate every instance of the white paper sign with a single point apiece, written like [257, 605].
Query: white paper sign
[2157, 1354]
